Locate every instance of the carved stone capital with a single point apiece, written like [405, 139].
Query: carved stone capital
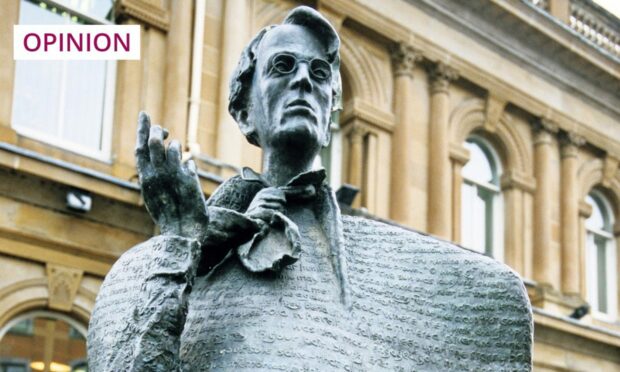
[459, 154]
[441, 75]
[144, 11]
[356, 133]
[517, 180]
[570, 143]
[405, 57]
[544, 130]
[63, 284]
[585, 209]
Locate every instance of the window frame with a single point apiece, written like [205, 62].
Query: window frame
[497, 221]
[591, 255]
[105, 153]
[44, 314]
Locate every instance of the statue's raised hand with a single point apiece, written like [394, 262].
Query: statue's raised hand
[170, 188]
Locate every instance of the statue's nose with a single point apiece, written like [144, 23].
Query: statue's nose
[301, 78]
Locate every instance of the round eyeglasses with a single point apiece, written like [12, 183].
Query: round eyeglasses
[285, 63]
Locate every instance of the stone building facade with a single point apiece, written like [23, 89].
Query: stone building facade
[491, 123]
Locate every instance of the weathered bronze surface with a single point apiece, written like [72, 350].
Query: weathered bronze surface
[267, 275]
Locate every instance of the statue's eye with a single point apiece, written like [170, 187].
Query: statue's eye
[320, 69]
[284, 63]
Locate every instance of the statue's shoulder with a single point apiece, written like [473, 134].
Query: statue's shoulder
[481, 301]
[416, 248]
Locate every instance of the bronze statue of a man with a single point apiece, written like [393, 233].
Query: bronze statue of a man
[267, 275]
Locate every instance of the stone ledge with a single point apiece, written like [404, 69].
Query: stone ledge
[572, 326]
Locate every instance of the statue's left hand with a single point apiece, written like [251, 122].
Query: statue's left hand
[170, 188]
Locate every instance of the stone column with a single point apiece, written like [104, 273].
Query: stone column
[235, 35]
[439, 222]
[585, 211]
[516, 188]
[459, 156]
[569, 205]
[178, 55]
[404, 59]
[9, 13]
[139, 84]
[356, 158]
[546, 258]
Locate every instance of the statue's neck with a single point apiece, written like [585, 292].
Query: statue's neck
[280, 167]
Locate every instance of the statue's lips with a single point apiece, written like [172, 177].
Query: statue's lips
[299, 106]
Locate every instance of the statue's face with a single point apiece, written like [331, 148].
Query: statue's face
[291, 92]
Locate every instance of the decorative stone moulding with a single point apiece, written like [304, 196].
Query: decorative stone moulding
[63, 284]
[144, 11]
[494, 109]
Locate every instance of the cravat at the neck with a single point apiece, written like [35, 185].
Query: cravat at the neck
[302, 187]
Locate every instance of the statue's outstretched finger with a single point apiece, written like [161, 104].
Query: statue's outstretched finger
[142, 137]
[156, 145]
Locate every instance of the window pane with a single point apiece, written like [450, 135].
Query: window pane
[95, 8]
[478, 168]
[84, 99]
[61, 102]
[473, 218]
[601, 266]
[596, 221]
[37, 90]
[486, 197]
[22, 328]
[39, 13]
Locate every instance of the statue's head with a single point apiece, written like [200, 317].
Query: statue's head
[287, 83]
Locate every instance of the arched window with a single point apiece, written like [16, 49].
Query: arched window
[43, 341]
[481, 201]
[601, 258]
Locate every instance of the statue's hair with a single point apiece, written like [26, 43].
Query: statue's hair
[241, 82]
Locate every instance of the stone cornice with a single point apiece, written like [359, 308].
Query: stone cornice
[405, 58]
[144, 12]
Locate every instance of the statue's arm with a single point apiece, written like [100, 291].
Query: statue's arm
[140, 310]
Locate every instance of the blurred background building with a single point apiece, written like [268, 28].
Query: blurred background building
[491, 123]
